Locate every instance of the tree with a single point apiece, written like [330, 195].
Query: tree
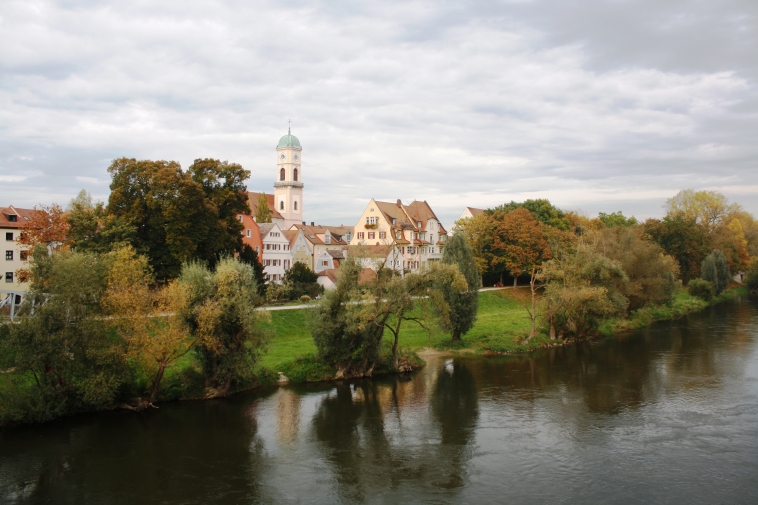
[220, 314]
[479, 232]
[650, 274]
[152, 323]
[519, 243]
[682, 238]
[463, 304]
[47, 226]
[264, 213]
[616, 219]
[715, 270]
[578, 291]
[729, 238]
[300, 280]
[226, 197]
[250, 256]
[751, 276]
[707, 208]
[65, 347]
[541, 209]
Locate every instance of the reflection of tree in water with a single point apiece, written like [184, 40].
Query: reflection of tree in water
[189, 453]
[350, 424]
[287, 417]
[455, 407]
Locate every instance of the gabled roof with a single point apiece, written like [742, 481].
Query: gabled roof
[291, 236]
[252, 201]
[311, 233]
[265, 228]
[22, 216]
[336, 254]
[475, 212]
[407, 217]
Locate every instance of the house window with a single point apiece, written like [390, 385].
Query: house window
[8, 276]
[431, 238]
[281, 205]
[418, 224]
[281, 174]
[268, 277]
[328, 239]
[24, 255]
[394, 221]
[398, 234]
[12, 218]
[360, 235]
[249, 233]
[9, 255]
[295, 204]
[294, 176]
[371, 235]
[382, 234]
[9, 236]
[324, 263]
[268, 246]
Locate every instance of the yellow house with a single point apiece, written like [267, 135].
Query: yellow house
[415, 233]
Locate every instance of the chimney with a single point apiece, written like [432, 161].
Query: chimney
[399, 203]
[312, 224]
[303, 223]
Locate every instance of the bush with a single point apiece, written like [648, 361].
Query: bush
[305, 299]
[701, 289]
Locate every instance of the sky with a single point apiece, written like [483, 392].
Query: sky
[596, 105]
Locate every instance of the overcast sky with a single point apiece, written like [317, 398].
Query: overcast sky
[596, 105]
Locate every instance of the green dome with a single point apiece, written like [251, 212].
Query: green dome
[289, 140]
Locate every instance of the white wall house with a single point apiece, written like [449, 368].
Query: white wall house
[277, 256]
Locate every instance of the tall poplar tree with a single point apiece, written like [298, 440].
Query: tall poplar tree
[464, 305]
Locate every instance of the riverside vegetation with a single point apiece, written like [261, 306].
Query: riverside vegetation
[147, 318]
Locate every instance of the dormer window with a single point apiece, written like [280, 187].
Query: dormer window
[13, 218]
[418, 224]
[327, 239]
[394, 221]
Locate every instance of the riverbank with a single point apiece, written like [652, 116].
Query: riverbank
[500, 328]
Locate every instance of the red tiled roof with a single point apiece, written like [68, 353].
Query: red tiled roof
[22, 216]
[252, 201]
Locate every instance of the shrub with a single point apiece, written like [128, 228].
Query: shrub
[305, 298]
[715, 269]
[701, 289]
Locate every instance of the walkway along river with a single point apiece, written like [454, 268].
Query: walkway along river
[664, 415]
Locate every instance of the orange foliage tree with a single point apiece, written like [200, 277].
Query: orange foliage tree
[519, 243]
[46, 226]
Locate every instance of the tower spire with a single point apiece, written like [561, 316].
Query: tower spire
[289, 127]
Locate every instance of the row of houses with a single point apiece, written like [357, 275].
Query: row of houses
[403, 237]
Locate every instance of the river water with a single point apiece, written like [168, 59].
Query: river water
[664, 415]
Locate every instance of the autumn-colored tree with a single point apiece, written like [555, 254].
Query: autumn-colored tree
[519, 243]
[541, 209]
[47, 226]
[707, 208]
[730, 239]
[683, 239]
[152, 322]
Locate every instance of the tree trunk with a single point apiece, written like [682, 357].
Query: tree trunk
[515, 281]
[456, 335]
[224, 389]
[395, 363]
[552, 329]
[157, 382]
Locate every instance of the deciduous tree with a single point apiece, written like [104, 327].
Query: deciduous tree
[519, 243]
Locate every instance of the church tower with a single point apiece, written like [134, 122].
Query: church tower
[288, 188]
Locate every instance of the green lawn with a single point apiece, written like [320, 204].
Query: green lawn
[500, 320]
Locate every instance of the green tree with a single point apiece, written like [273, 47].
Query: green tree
[464, 305]
[616, 219]
[715, 270]
[480, 234]
[230, 335]
[541, 209]
[64, 348]
[650, 274]
[223, 184]
[300, 280]
[707, 208]
[264, 213]
[250, 256]
[682, 238]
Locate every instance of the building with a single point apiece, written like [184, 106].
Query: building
[253, 199]
[14, 256]
[470, 212]
[300, 247]
[324, 238]
[413, 231]
[277, 257]
[288, 188]
[251, 234]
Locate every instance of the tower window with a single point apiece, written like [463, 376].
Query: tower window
[281, 204]
[295, 179]
[281, 174]
[294, 175]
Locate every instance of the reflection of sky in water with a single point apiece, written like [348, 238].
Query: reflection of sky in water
[669, 414]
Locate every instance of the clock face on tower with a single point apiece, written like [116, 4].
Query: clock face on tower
[296, 157]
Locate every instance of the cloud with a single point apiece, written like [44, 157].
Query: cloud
[589, 104]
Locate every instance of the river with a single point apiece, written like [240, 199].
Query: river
[664, 415]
